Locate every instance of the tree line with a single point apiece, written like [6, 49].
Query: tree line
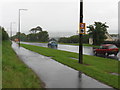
[36, 35]
[74, 39]
[3, 34]
[96, 32]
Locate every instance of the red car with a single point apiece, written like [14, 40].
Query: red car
[107, 49]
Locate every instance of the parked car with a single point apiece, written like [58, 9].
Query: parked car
[106, 49]
[52, 44]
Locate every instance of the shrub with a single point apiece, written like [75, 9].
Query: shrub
[4, 34]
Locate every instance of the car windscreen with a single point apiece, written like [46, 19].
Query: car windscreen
[52, 42]
[112, 46]
[103, 47]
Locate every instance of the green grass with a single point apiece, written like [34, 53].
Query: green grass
[0, 65]
[15, 74]
[96, 67]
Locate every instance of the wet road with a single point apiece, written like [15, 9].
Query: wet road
[73, 48]
[54, 74]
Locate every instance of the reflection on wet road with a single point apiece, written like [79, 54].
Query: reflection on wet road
[73, 48]
[54, 74]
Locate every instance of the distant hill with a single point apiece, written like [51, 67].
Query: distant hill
[61, 34]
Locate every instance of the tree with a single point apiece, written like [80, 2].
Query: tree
[63, 40]
[97, 32]
[38, 35]
[31, 37]
[34, 30]
[38, 28]
[42, 36]
[4, 34]
[23, 36]
[74, 39]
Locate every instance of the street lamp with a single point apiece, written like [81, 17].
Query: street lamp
[19, 23]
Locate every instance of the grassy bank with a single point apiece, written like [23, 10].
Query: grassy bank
[15, 74]
[96, 67]
[0, 65]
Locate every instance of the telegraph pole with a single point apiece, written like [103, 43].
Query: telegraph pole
[80, 34]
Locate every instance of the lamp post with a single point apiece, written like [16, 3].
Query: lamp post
[19, 23]
[80, 35]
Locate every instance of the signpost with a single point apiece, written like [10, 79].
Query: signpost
[81, 31]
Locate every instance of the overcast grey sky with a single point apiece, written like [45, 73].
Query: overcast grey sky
[58, 17]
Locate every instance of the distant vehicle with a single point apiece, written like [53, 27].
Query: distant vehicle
[106, 49]
[52, 44]
[16, 40]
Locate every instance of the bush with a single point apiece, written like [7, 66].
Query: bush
[74, 39]
[4, 34]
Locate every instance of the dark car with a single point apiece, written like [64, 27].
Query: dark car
[52, 44]
[106, 49]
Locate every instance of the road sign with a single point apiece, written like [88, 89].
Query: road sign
[82, 28]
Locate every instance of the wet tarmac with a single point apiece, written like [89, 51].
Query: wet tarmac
[55, 74]
[73, 48]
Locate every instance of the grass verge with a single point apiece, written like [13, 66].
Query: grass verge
[0, 64]
[96, 67]
[15, 74]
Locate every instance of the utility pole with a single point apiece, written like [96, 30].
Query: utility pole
[19, 27]
[80, 34]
